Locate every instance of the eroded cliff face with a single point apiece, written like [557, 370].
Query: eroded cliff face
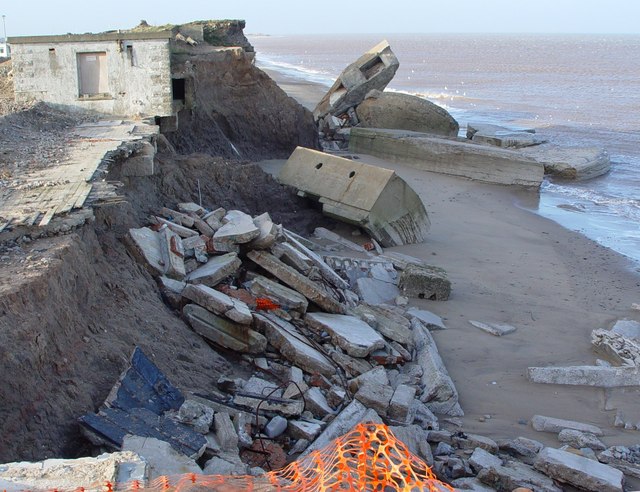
[233, 109]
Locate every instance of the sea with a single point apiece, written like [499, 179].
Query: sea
[575, 90]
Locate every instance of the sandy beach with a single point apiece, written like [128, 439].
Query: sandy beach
[509, 265]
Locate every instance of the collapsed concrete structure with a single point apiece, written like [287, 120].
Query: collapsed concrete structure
[373, 198]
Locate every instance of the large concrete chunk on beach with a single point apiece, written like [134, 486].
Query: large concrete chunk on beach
[571, 162]
[405, 112]
[448, 156]
[374, 198]
[373, 70]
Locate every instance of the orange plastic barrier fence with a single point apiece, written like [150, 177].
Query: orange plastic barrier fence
[369, 458]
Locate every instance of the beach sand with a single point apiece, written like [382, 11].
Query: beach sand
[510, 265]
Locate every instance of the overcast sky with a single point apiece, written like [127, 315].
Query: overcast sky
[39, 17]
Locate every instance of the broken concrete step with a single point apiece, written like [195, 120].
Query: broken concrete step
[353, 335]
[296, 281]
[494, 329]
[579, 471]
[219, 303]
[283, 296]
[172, 253]
[223, 332]
[375, 396]
[215, 270]
[293, 345]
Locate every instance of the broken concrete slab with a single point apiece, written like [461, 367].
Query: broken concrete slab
[376, 199]
[430, 320]
[293, 345]
[378, 374]
[177, 217]
[415, 439]
[625, 459]
[215, 270]
[551, 424]
[376, 396]
[197, 415]
[401, 402]
[161, 458]
[322, 233]
[224, 332]
[448, 156]
[345, 421]
[495, 329]
[296, 281]
[617, 348]
[258, 391]
[472, 484]
[73, 474]
[579, 439]
[481, 459]
[578, 471]
[283, 296]
[350, 365]
[439, 393]
[597, 376]
[145, 247]
[373, 70]
[141, 163]
[316, 403]
[289, 255]
[191, 208]
[353, 335]
[268, 232]
[425, 282]
[514, 474]
[389, 323]
[571, 162]
[172, 253]
[238, 228]
[183, 232]
[499, 136]
[325, 270]
[401, 111]
[376, 292]
[302, 429]
[219, 303]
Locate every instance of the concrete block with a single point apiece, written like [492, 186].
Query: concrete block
[514, 474]
[448, 156]
[276, 427]
[316, 403]
[353, 335]
[197, 415]
[289, 255]
[172, 253]
[415, 439]
[373, 70]
[238, 228]
[578, 471]
[481, 459]
[430, 320]
[376, 292]
[373, 198]
[293, 345]
[578, 439]
[215, 270]
[551, 424]
[256, 392]
[145, 247]
[302, 429]
[376, 375]
[224, 332]
[425, 283]
[268, 232]
[296, 281]
[177, 228]
[571, 162]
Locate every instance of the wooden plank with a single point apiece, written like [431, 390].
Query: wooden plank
[82, 197]
[47, 217]
[67, 200]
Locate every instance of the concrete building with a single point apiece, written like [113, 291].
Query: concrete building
[124, 74]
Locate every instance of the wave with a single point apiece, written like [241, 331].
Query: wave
[598, 202]
[297, 71]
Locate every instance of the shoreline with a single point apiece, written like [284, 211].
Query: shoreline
[509, 264]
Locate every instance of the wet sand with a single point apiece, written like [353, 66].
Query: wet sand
[509, 265]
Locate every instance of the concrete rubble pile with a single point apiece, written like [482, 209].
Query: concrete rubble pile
[323, 340]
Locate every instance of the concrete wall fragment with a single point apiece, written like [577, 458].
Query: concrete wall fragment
[371, 197]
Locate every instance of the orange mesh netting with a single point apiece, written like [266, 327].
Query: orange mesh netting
[369, 458]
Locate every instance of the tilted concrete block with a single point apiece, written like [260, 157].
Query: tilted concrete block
[370, 197]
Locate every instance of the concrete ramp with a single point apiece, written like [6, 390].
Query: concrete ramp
[373, 198]
[448, 156]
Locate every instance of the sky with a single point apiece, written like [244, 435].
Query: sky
[41, 17]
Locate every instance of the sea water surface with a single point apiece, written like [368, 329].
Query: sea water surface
[575, 90]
